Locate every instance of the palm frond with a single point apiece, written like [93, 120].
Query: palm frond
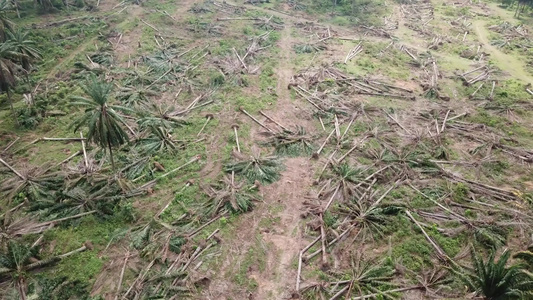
[291, 144]
[265, 169]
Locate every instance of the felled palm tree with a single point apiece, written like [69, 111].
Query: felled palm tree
[367, 277]
[159, 139]
[103, 121]
[8, 69]
[493, 280]
[34, 182]
[344, 179]
[25, 46]
[19, 260]
[229, 196]
[132, 95]
[265, 169]
[5, 22]
[290, 143]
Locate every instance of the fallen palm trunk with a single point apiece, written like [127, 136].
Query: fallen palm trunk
[442, 255]
[10, 145]
[409, 53]
[299, 90]
[149, 25]
[240, 59]
[475, 92]
[391, 86]
[69, 158]
[356, 50]
[357, 144]
[234, 19]
[154, 181]
[12, 169]
[317, 153]
[255, 120]
[413, 98]
[119, 285]
[272, 120]
[300, 262]
[208, 118]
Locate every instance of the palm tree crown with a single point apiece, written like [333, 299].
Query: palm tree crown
[495, 281]
[5, 23]
[22, 44]
[101, 119]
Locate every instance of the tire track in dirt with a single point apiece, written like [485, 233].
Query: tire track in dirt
[509, 63]
[285, 238]
[282, 202]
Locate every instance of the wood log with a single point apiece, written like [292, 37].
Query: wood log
[317, 153]
[149, 25]
[479, 87]
[272, 120]
[240, 59]
[12, 169]
[121, 277]
[472, 71]
[491, 95]
[300, 262]
[437, 248]
[255, 120]
[10, 145]
[412, 98]
[410, 54]
[306, 98]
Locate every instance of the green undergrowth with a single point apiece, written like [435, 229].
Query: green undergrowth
[87, 265]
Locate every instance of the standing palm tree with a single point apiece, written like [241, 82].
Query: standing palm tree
[23, 45]
[5, 22]
[8, 69]
[101, 118]
[495, 281]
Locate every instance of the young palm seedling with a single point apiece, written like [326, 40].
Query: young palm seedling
[493, 279]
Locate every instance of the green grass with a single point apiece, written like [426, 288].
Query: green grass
[87, 265]
[255, 257]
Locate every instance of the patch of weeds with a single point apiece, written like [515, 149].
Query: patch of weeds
[269, 222]
[494, 168]
[251, 104]
[86, 265]
[460, 192]
[450, 246]
[255, 257]
[183, 200]
[224, 47]
[83, 266]
[267, 78]
[413, 252]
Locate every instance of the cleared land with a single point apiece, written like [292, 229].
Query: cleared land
[276, 150]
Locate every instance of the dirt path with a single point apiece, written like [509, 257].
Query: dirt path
[281, 240]
[285, 237]
[508, 63]
[81, 48]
